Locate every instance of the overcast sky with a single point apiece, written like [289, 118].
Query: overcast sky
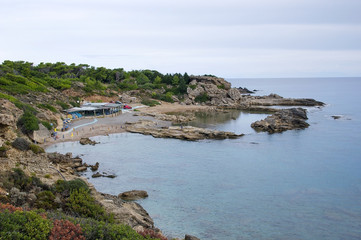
[228, 38]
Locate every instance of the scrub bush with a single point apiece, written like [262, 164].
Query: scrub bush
[23, 225]
[83, 204]
[64, 230]
[36, 149]
[46, 200]
[28, 122]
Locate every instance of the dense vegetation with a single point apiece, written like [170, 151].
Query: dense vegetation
[65, 210]
[21, 77]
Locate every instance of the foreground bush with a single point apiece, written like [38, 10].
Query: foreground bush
[66, 230]
[83, 204]
[23, 225]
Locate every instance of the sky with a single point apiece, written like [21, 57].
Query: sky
[228, 38]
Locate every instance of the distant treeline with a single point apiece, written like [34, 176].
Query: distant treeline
[20, 77]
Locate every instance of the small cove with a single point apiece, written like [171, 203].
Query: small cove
[295, 185]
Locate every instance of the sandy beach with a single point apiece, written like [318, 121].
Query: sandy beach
[90, 127]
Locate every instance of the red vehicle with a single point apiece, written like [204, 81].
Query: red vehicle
[127, 107]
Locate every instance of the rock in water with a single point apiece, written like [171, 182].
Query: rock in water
[190, 237]
[133, 195]
[283, 120]
[85, 141]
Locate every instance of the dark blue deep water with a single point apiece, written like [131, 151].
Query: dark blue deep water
[303, 184]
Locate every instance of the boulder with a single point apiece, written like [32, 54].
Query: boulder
[7, 120]
[21, 144]
[94, 167]
[87, 141]
[234, 94]
[283, 120]
[133, 195]
[190, 237]
[41, 134]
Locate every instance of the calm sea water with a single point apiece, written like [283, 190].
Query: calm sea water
[295, 185]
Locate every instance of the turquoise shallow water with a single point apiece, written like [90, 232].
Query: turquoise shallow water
[295, 185]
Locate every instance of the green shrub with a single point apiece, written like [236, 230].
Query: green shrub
[69, 186]
[47, 125]
[48, 106]
[202, 98]
[46, 200]
[94, 229]
[23, 225]
[83, 204]
[63, 105]
[28, 122]
[36, 149]
[193, 86]
[221, 86]
[74, 104]
[150, 102]
[17, 178]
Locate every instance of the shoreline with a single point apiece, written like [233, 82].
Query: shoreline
[84, 128]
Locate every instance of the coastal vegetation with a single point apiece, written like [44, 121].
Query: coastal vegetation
[65, 210]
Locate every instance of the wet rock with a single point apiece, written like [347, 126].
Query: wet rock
[87, 141]
[133, 195]
[94, 167]
[98, 174]
[336, 117]
[21, 144]
[283, 120]
[190, 237]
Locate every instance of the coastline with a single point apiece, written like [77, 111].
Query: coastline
[84, 128]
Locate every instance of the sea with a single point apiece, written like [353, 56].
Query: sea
[299, 184]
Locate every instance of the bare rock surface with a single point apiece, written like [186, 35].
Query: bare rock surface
[133, 195]
[282, 120]
[87, 141]
[129, 213]
[179, 132]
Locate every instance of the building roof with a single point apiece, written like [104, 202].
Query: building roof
[93, 107]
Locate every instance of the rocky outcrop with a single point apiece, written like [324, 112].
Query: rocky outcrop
[41, 134]
[234, 94]
[276, 100]
[179, 132]
[190, 237]
[129, 213]
[218, 92]
[87, 141]
[282, 120]
[133, 195]
[219, 82]
[67, 163]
